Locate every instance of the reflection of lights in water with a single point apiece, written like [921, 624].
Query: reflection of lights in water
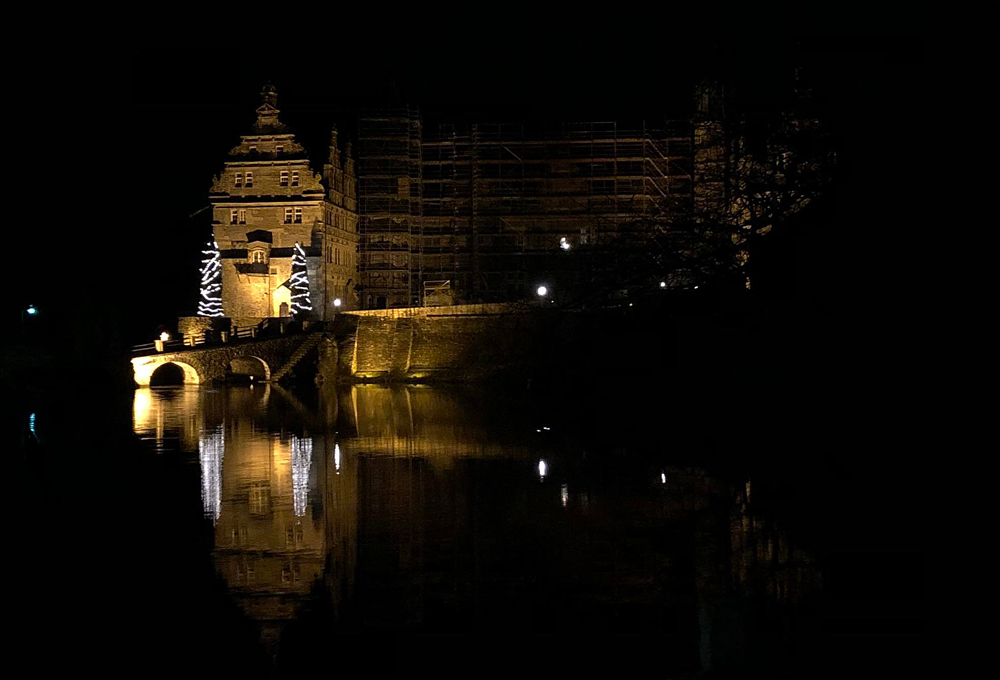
[31, 425]
[302, 451]
[542, 467]
[336, 457]
[564, 492]
[142, 404]
[663, 477]
[211, 448]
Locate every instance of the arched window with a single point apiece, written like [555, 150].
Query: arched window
[257, 256]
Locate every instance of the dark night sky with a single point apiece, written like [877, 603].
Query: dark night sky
[176, 102]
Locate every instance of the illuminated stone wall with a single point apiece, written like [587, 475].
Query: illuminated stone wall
[427, 345]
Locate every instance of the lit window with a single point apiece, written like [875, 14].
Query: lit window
[243, 216]
[298, 216]
[288, 215]
[295, 178]
[249, 179]
[239, 179]
[233, 216]
[284, 178]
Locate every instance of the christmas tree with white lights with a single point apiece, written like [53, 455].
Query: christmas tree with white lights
[210, 303]
[299, 283]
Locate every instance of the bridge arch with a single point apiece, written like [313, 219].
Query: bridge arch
[145, 367]
[249, 365]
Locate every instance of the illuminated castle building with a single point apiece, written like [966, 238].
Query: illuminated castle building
[483, 212]
[266, 201]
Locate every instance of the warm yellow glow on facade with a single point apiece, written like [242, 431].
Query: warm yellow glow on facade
[143, 368]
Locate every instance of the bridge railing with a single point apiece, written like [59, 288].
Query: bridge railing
[268, 328]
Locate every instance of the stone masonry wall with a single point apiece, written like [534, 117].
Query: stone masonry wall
[418, 344]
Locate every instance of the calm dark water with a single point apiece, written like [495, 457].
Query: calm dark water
[375, 529]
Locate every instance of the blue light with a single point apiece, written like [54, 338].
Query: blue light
[31, 309]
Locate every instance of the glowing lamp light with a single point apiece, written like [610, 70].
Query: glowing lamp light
[563, 243]
[164, 336]
[31, 310]
[542, 468]
[663, 478]
[542, 291]
[663, 284]
[336, 302]
[564, 494]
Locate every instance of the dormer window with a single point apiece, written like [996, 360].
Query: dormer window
[280, 148]
[249, 181]
[238, 181]
[295, 178]
[257, 256]
[284, 178]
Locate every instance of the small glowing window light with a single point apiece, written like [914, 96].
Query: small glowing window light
[164, 336]
[336, 302]
[546, 427]
[336, 457]
[563, 243]
[542, 468]
[696, 287]
[31, 310]
[542, 291]
[31, 424]
[663, 478]
[663, 284]
[564, 493]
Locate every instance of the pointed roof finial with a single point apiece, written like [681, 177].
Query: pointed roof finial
[269, 95]
[267, 112]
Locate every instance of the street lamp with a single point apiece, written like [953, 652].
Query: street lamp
[563, 243]
[164, 336]
[663, 284]
[31, 310]
[542, 291]
[336, 302]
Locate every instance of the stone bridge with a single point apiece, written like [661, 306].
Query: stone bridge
[264, 359]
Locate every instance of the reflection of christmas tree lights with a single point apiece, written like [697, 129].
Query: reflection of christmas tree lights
[211, 448]
[299, 283]
[211, 284]
[302, 450]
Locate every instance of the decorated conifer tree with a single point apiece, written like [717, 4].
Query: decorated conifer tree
[210, 303]
[299, 283]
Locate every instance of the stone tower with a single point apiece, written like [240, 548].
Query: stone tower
[266, 200]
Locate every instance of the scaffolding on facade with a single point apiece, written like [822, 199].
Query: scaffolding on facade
[487, 206]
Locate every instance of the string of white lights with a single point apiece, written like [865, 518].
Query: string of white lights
[211, 282]
[299, 282]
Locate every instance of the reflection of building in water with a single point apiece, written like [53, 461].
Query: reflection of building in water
[286, 518]
[268, 546]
